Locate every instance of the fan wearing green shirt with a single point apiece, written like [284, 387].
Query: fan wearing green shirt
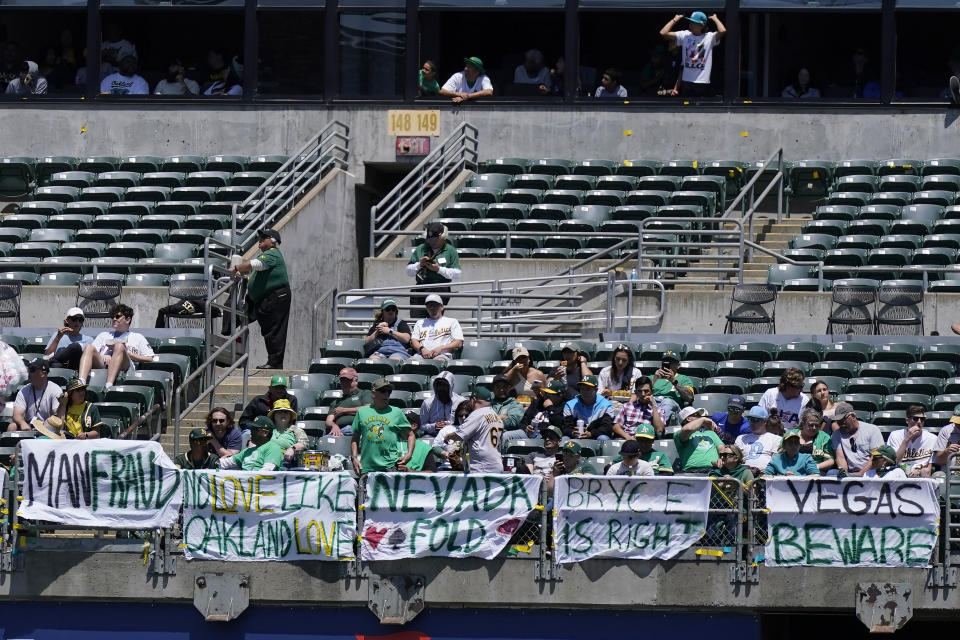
[264, 455]
[662, 464]
[377, 431]
[671, 388]
[268, 295]
[697, 442]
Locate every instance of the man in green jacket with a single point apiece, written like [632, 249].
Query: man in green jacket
[509, 410]
[268, 295]
[434, 262]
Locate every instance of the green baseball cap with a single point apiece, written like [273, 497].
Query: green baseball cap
[645, 430]
[552, 431]
[483, 393]
[279, 381]
[885, 451]
[199, 434]
[475, 62]
[571, 447]
[554, 387]
[590, 381]
[381, 384]
[386, 304]
[262, 422]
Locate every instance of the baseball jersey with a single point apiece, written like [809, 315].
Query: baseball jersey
[481, 433]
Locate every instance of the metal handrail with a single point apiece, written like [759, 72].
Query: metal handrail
[398, 209]
[325, 150]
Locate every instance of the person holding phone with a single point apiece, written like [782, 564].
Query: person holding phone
[670, 387]
[573, 368]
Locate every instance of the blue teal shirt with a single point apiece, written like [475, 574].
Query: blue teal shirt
[741, 429]
[802, 465]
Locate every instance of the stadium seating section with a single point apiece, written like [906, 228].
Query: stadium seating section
[124, 214]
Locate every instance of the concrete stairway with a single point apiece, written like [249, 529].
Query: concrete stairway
[228, 394]
[775, 236]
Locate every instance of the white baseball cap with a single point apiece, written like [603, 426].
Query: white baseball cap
[433, 298]
[75, 311]
[691, 412]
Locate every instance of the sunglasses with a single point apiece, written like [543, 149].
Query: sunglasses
[217, 420]
[119, 316]
[383, 391]
[728, 455]
[734, 410]
[76, 318]
[753, 419]
[917, 418]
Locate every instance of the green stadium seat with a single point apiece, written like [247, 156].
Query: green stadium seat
[141, 164]
[878, 385]
[147, 280]
[900, 241]
[933, 368]
[845, 257]
[125, 413]
[208, 179]
[814, 241]
[59, 279]
[858, 241]
[174, 363]
[857, 183]
[233, 193]
[810, 179]
[754, 350]
[409, 381]
[508, 210]
[903, 400]
[70, 221]
[883, 369]
[27, 221]
[184, 164]
[97, 235]
[862, 401]
[344, 348]
[926, 385]
[835, 368]
[150, 236]
[698, 368]
[49, 165]
[739, 368]
[853, 198]
[941, 166]
[177, 208]
[948, 352]
[778, 367]
[425, 367]
[515, 252]
[888, 199]
[855, 167]
[78, 179]
[329, 365]
[679, 168]
[103, 194]
[897, 352]
[98, 164]
[381, 366]
[889, 419]
[569, 197]
[637, 168]
[228, 163]
[713, 351]
[123, 179]
[777, 274]
[498, 181]
[211, 222]
[481, 195]
[112, 264]
[82, 249]
[535, 181]
[192, 194]
[712, 402]
[38, 250]
[941, 183]
[53, 193]
[133, 250]
[522, 196]
[552, 166]
[162, 221]
[835, 212]
[511, 166]
[899, 166]
[504, 225]
[726, 384]
[945, 402]
[760, 384]
[552, 212]
[402, 399]
[249, 178]
[16, 176]
[603, 197]
[575, 182]
[805, 351]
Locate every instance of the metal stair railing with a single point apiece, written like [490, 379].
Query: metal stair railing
[326, 150]
[498, 308]
[747, 214]
[399, 208]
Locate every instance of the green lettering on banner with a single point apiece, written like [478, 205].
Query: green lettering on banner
[637, 539]
[636, 489]
[668, 500]
[408, 491]
[469, 494]
[583, 536]
[452, 538]
[382, 491]
[415, 533]
[866, 544]
[574, 490]
[886, 548]
[441, 496]
[661, 534]
[613, 485]
[846, 547]
[926, 548]
[349, 494]
[439, 522]
[613, 529]
[488, 490]
[476, 533]
[780, 544]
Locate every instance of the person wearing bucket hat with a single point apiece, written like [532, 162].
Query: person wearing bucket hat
[588, 415]
[696, 46]
[268, 295]
[265, 454]
[377, 431]
[469, 84]
[541, 463]
[262, 404]
[759, 446]
[389, 336]
[630, 462]
[436, 337]
[883, 464]
[36, 400]
[790, 462]
[642, 410]
[481, 434]
[853, 441]
[288, 435]
[67, 343]
[696, 441]
[81, 418]
[199, 455]
[434, 262]
[671, 388]
[948, 439]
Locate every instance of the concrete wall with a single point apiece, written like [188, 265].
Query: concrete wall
[617, 132]
[46, 306]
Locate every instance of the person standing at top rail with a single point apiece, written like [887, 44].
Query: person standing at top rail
[696, 46]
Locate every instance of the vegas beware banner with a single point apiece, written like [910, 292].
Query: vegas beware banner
[414, 515]
[114, 484]
[257, 515]
[853, 522]
[628, 517]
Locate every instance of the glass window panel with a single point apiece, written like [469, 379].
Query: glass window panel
[372, 46]
[207, 44]
[928, 53]
[291, 53]
[499, 5]
[280, 4]
[687, 5]
[815, 5]
[55, 40]
[447, 37]
[630, 43]
[776, 46]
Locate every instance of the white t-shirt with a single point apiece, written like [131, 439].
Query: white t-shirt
[165, 88]
[601, 92]
[481, 433]
[135, 342]
[919, 451]
[520, 76]
[38, 404]
[120, 85]
[758, 451]
[789, 410]
[894, 474]
[697, 54]
[866, 439]
[642, 468]
[437, 333]
[458, 84]
[604, 382]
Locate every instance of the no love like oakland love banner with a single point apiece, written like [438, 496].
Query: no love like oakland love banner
[413, 515]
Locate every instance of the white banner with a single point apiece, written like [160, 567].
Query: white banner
[413, 515]
[115, 484]
[868, 522]
[628, 517]
[281, 515]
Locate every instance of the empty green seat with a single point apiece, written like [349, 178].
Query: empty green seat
[79, 179]
[23, 277]
[552, 166]
[16, 176]
[49, 165]
[28, 221]
[810, 179]
[777, 274]
[498, 181]
[35, 249]
[903, 400]
[82, 249]
[343, 348]
[569, 197]
[208, 179]
[875, 384]
[858, 183]
[141, 164]
[883, 369]
[227, 163]
[132, 250]
[54, 193]
[899, 166]
[102, 194]
[147, 280]
[123, 179]
[41, 207]
[537, 181]
[271, 163]
[511, 166]
[168, 179]
[98, 164]
[855, 167]
[862, 401]
[482, 195]
[192, 194]
[858, 352]
[679, 168]
[725, 384]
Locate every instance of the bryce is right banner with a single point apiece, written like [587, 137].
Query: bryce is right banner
[853, 522]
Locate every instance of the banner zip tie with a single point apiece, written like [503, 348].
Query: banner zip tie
[361, 507]
[4, 511]
[146, 552]
[709, 552]
[538, 507]
[182, 545]
[359, 538]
